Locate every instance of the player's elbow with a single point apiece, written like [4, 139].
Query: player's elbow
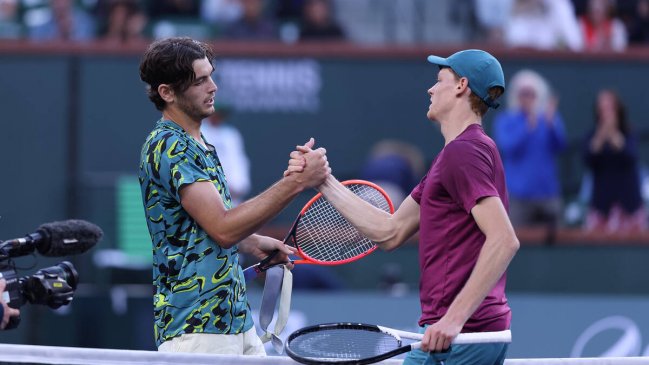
[516, 244]
[390, 237]
[388, 245]
[391, 243]
[513, 244]
[224, 239]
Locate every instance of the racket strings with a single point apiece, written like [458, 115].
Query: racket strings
[325, 235]
[348, 344]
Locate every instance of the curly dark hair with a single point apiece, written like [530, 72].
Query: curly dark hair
[170, 61]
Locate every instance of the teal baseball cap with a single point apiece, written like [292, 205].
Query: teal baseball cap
[481, 69]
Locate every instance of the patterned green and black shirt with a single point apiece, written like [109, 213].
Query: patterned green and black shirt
[199, 285]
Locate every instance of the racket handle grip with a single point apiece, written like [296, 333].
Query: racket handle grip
[258, 268]
[474, 338]
[483, 337]
[264, 264]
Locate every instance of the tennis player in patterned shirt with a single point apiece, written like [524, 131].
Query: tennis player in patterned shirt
[200, 302]
[466, 240]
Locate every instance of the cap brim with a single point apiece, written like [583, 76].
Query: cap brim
[435, 60]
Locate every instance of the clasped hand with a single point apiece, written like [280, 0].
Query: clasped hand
[307, 166]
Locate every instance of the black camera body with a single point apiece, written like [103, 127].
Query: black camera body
[52, 286]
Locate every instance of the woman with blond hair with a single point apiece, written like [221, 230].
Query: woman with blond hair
[531, 134]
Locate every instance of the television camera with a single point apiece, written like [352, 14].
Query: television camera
[52, 286]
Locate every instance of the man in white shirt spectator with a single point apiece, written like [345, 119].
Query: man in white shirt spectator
[229, 146]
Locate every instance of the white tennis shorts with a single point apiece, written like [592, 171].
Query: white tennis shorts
[247, 343]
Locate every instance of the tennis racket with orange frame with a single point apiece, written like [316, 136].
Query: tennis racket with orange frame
[322, 236]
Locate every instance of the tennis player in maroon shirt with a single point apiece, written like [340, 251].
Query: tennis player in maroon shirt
[466, 240]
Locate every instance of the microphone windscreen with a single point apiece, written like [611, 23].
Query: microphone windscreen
[70, 237]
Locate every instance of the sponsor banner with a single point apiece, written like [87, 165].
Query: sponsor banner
[580, 325]
[288, 86]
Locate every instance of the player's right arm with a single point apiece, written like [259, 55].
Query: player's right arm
[389, 231]
[227, 227]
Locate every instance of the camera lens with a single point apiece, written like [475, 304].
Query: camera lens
[65, 271]
[52, 286]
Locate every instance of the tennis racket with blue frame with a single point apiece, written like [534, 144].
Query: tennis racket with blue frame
[359, 343]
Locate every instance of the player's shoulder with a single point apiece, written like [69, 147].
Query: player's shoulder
[475, 135]
[165, 137]
[472, 145]
[468, 141]
[162, 131]
[167, 145]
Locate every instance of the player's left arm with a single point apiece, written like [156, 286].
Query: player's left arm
[497, 252]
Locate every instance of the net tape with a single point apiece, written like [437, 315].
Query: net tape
[30, 354]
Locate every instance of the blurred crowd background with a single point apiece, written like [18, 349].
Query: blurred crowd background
[576, 25]
[572, 130]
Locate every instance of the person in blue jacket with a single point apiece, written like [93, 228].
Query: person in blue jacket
[530, 135]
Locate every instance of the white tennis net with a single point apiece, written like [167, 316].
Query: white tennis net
[29, 354]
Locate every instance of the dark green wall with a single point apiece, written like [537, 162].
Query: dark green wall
[34, 141]
[574, 269]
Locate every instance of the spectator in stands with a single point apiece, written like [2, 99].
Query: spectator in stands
[10, 25]
[639, 23]
[611, 156]
[395, 166]
[221, 12]
[289, 10]
[123, 21]
[542, 24]
[227, 140]
[64, 22]
[178, 18]
[174, 8]
[601, 29]
[462, 14]
[318, 22]
[531, 135]
[316, 278]
[254, 24]
[491, 17]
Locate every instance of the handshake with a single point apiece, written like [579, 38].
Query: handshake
[308, 168]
